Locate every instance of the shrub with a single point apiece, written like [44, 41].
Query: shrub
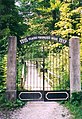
[76, 98]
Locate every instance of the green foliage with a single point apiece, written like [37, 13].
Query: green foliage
[75, 105]
[76, 98]
[70, 20]
[3, 73]
[57, 62]
[59, 17]
[11, 23]
[10, 19]
[5, 104]
[19, 73]
[75, 109]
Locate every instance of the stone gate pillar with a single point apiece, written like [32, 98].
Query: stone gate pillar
[75, 82]
[11, 69]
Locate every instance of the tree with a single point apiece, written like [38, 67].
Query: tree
[70, 20]
[11, 23]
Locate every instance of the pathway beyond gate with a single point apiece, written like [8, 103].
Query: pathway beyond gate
[34, 81]
[39, 110]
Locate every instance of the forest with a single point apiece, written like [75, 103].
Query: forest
[22, 18]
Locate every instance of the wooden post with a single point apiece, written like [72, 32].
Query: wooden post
[75, 82]
[11, 69]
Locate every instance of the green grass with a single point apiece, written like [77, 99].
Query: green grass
[75, 105]
[5, 104]
[76, 110]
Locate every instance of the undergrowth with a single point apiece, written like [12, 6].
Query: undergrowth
[75, 105]
[5, 104]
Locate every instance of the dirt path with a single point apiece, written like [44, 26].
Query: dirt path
[39, 110]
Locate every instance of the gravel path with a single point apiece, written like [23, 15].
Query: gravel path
[39, 110]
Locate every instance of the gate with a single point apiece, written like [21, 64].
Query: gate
[43, 68]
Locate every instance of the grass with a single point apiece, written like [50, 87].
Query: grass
[5, 104]
[76, 110]
[75, 105]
